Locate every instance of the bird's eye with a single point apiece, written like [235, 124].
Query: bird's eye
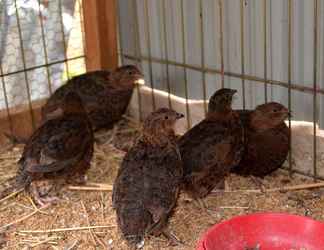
[166, 117]
[130, 72]
[275, 110]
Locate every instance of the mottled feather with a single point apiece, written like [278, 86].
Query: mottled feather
[105, 95]
[211, 148]
[60, 148]
[147, 186]
[266, 139]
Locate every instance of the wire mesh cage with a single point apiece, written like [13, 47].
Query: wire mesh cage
[267, 50]
[41, 45]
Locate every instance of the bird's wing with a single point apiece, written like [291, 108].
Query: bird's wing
[56, 145]
[201, 146]
[162, 174]
[53, 167]
[270, 148]
[244, 116]
[150, 178]
[128, 185]
[87, 85]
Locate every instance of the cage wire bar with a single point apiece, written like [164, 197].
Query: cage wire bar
[265, 64]
[242, 49]
[315, 88]
[137, 51]
[6, 99]
[184, 54]
[44, 47]
[148, 43]
[63, 39]
[47, 64]
[295, 86]
[243, 76]
[41, 66]
[221, 40]
[24, 67]
[290, 11]
[166, 51]
[202, 41]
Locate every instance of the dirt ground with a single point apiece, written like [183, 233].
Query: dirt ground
[93, 208]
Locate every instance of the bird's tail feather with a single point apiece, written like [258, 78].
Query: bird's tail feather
[55, 166]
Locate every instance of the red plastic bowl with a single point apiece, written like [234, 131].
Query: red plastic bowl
[269, 231]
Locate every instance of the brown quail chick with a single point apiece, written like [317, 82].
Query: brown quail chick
[147, 185]
[266, 140]
[212, 147]
[58, 152]
[105, 95]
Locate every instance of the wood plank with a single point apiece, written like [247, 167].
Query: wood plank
[100, 25]
[20, 120]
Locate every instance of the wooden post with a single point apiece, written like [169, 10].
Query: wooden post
[100, 25]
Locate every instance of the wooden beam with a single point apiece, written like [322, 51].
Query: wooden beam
[100, 26]
[20, 120]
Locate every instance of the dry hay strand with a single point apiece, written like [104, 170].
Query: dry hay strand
[271, 190]
[8, 162]
[92, 187]
[11, 195]
[25, 217]
[70, 224]
[61, 230]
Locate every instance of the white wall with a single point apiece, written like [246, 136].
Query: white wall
[277, 47]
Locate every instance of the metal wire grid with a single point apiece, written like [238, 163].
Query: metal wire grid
[48, 63]
[289, 85]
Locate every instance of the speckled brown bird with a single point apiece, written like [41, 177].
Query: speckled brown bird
[212, 147]
[59, 151]
[147, 185]
[105, 95]
[266, 139]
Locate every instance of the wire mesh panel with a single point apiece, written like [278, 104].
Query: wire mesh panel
[268, 50]
[41, 45]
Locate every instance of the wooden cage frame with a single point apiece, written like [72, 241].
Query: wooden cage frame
[101, 52]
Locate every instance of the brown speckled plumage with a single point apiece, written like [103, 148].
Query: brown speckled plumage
[105, 95]
[211, 148]
[266, 139]
[146, 188]
[60, 150]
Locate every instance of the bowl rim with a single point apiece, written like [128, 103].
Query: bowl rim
[206, 233]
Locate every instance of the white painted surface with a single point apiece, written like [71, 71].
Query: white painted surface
[276, 50]
[277, 47]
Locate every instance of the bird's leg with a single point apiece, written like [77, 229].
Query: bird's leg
[45, 201]
[201, 204]
[172, 238]
[226, 186]
[80, 179]
[259, 183]
[113, 135]
[40, 194]
[100, 138]
[220, 187]
[159, 228]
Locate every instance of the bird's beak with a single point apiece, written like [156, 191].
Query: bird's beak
[234, 91]
[286, 112]
[140, 81]
[179, 116]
